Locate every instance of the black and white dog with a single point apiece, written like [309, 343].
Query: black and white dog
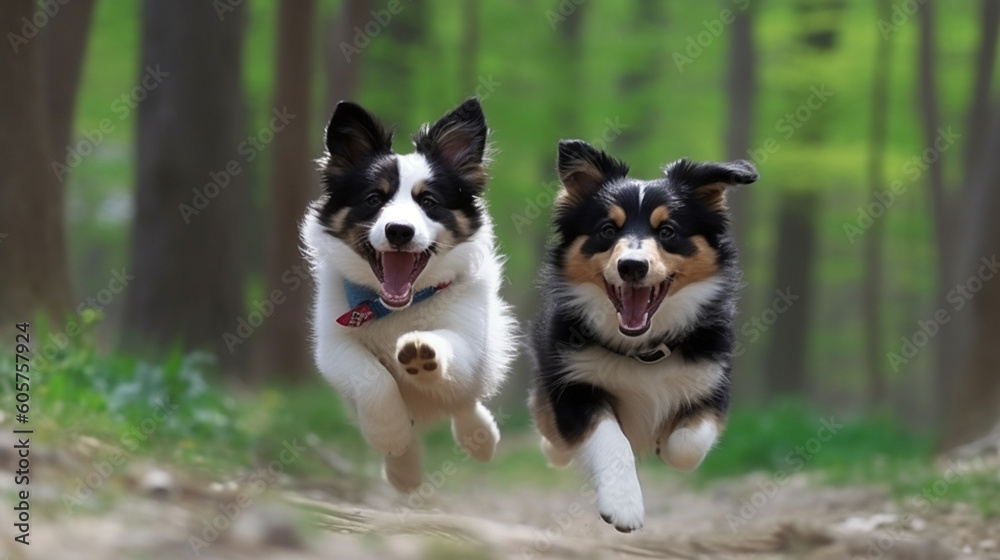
[634, 342]
[408, 323]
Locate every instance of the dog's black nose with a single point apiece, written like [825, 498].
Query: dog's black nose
[398, 234]
[632, 270]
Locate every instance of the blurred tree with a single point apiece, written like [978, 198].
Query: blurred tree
[342, 73]
[64, 42]
[975, 401]
[469, 52]
[958, 214]
[393, 61]
[741, 95]
[871, 289]
[284, 345]
[33, 243]
[192, 151]
[785, 362]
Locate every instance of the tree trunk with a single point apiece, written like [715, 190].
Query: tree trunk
[285, 337]
[342, 75]
[64, 42]
[192, 154]
[32, 236]
[741, 92]
[940, 208]
[786, 361]
[871, 289]
[470, 48]
[975, 403]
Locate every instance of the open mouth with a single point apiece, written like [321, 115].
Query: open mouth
[397, 271]
[637, 304]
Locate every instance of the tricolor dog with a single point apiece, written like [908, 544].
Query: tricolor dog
[408, 323]
[633, 345]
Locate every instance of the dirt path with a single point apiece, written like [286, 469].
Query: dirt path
[162, 514]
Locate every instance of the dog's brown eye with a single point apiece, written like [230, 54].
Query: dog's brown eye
[428, 201]
[609, 231]
[665, 233]
[374, 199]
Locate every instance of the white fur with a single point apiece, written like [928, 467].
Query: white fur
[652, 393]
[676, 313]
[607, 459]
[686, 447]
[469, 326]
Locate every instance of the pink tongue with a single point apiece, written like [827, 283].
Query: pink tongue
[397, 267]
[634, 304]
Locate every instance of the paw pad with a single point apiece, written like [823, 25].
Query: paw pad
[416, 357]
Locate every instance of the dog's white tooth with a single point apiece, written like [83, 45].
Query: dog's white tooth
[619, 314]
[645, 317]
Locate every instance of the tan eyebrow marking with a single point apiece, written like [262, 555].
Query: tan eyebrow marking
[419, 187]
[617, 214]
[660, 214]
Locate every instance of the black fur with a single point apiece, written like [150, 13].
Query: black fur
[359, 159]
[561, 330]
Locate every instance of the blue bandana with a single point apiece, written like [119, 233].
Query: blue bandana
[366, 305]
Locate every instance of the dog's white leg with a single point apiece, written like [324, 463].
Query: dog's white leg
[383, 417]
[475, 431]
[686, 447]
[435, 356]
[606, 457]
[405, 472]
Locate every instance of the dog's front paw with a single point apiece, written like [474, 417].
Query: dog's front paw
[624, 511]
[390, 434]
[619, 501]
[422, 355]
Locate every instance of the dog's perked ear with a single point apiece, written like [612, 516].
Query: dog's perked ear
[709, 181]
[458, 140]
[583, 169]
[353, 137]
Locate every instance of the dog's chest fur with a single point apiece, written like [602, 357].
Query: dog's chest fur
[647, 395]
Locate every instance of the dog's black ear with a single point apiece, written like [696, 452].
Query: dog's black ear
[353, 137]
[583, 169]
[458, 139]
[709, 181]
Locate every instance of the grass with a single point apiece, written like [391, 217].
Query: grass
[177, 413]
